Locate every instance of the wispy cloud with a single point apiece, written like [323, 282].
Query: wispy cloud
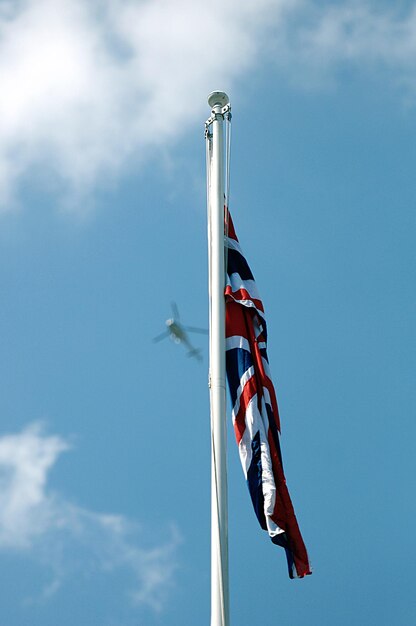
[363, 35]
[88, 87]
[67, 539]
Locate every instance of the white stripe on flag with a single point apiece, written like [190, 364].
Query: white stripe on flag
[236, 283]
[249, 373]
[233, 245]
[255, 422]
[237, 341]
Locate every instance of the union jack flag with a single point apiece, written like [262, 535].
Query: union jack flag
[254, 408]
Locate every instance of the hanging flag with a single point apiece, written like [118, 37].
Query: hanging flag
[254, 409]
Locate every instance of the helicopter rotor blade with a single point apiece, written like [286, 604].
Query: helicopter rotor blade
[161, 336]
[193, 329]
[175, 311]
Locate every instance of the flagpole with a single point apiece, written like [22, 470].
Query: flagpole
[218, 101]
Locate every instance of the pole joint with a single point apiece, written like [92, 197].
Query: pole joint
[223, 114]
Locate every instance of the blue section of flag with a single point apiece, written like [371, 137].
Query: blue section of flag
[254, 481]
[237, 362]
[281, 540]
[238, 265]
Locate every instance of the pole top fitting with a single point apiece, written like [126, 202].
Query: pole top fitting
[218, 98]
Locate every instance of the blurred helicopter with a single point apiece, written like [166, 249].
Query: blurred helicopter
[178, 333]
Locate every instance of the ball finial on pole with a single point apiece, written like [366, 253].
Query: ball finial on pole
[218, 98]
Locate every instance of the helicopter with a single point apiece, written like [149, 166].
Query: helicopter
[178, 333]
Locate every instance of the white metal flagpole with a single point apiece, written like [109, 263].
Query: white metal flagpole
[218, 102]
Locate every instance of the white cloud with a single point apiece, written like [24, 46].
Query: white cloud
[88, 87]
[69, 540]
[25, 460]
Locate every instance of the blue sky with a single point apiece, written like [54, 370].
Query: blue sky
[104, 438]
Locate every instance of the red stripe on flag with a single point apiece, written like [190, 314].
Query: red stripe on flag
[235, 323]
[284, 514]
[231, 231]
[243, 294]
[263, 379]
[249, 391]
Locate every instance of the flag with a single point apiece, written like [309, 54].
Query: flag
[254, 408]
